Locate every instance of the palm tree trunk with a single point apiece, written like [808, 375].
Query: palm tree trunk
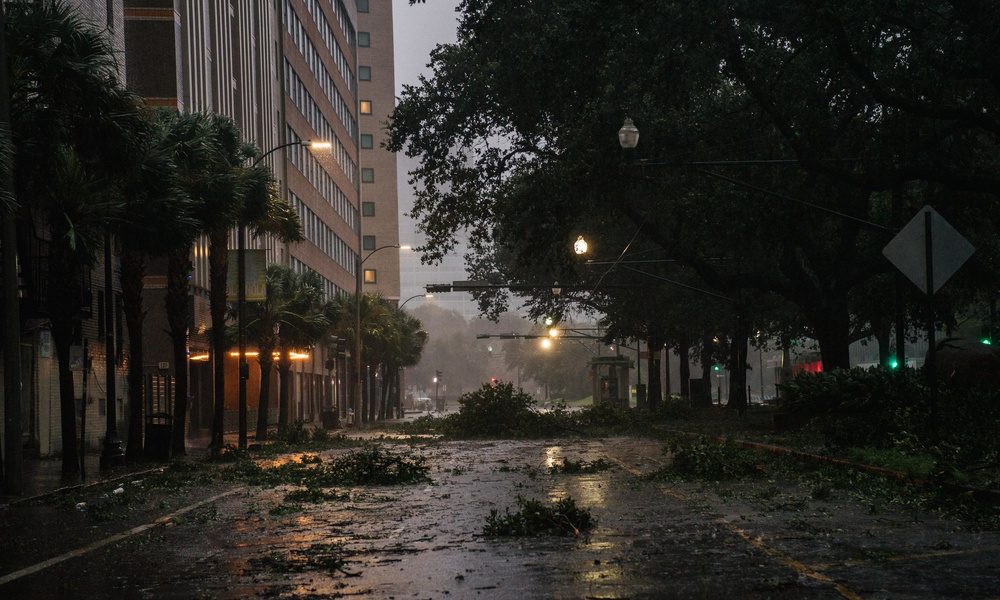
[64, 300]
[132, 271]
[264, 401]
[684, 353]
[67, 399]
[284, 374]
[218, 261]
[178, 268]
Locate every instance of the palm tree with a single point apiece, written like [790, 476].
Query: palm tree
[409, 340]
[156, 219]
[75, 130]
[187, 138]
[225, 191]
[309, 323]
[376, 335]
[290, 305]
[243, 195]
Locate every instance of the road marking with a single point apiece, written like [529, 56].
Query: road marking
[758, 543]
[109, 540]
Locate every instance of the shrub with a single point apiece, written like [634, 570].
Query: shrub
[497, 412]
[704, 459]
[858, 407]
[535, 518]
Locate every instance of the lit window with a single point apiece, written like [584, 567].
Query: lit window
[365, 73]
[367, 141]
[364, 39]
[369, 275]
[367, 175]
[366, 107]
[368, 242]
[368, 209]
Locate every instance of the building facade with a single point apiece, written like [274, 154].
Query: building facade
[287, 72]
[379, 193]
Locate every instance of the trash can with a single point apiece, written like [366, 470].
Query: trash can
[159, 429]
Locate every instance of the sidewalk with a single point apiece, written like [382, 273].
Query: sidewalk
[44, 475]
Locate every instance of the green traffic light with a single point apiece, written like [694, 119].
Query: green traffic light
[986, 341]
[894, 364]
[715, 368]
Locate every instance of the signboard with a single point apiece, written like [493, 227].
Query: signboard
[256, 283]
[908, 250]
[76, 358]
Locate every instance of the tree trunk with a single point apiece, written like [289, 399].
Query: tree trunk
[64, 305]
[284, 385]
[133, 269]
[62, 339]
[654, 393]
[832, 325]
[178, 269]
[705, 397]
[738, 370]
[264, 401]
[883, 336]
[218, 261]
[684, 356]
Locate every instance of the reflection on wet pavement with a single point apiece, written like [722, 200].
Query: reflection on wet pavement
[426, 541]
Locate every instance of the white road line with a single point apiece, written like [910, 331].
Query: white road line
[109, 540]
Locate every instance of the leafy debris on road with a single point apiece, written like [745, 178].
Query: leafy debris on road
[534, 518]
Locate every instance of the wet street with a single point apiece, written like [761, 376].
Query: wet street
[752, 539]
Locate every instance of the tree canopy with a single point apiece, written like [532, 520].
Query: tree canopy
[781, 146]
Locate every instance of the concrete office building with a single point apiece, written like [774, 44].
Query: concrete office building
[379, 201]
[286, 71]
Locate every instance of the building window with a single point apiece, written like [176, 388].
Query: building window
[370, 276]
[362, 6]
[364, 39]
[366, 107]
[368, 209]
[368, 242]
[367, 175]
[367, 141]
[365, 73]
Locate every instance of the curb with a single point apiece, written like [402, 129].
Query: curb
[984, 495]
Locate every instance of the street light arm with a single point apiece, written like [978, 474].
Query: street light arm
[381, 248]
[308, 143]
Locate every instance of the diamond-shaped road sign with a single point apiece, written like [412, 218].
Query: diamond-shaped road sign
[908, 250]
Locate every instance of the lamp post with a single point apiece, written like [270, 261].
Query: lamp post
[358, 280]
[241, 296]
[415, 296]
[112, 454]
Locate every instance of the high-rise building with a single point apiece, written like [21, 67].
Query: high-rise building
[379, 202]
[288, 72]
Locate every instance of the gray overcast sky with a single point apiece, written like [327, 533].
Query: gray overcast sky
[416, 30]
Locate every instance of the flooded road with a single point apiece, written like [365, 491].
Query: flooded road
[757, 539]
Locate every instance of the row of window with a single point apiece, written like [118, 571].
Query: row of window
[370, 276]
[320, 234]
[307, 164]
[312, 58]
[303, 100]
[330, 289]
[340, 12]
[329, 39]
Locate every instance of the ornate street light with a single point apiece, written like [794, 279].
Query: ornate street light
[580, 245]
[628, 135]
